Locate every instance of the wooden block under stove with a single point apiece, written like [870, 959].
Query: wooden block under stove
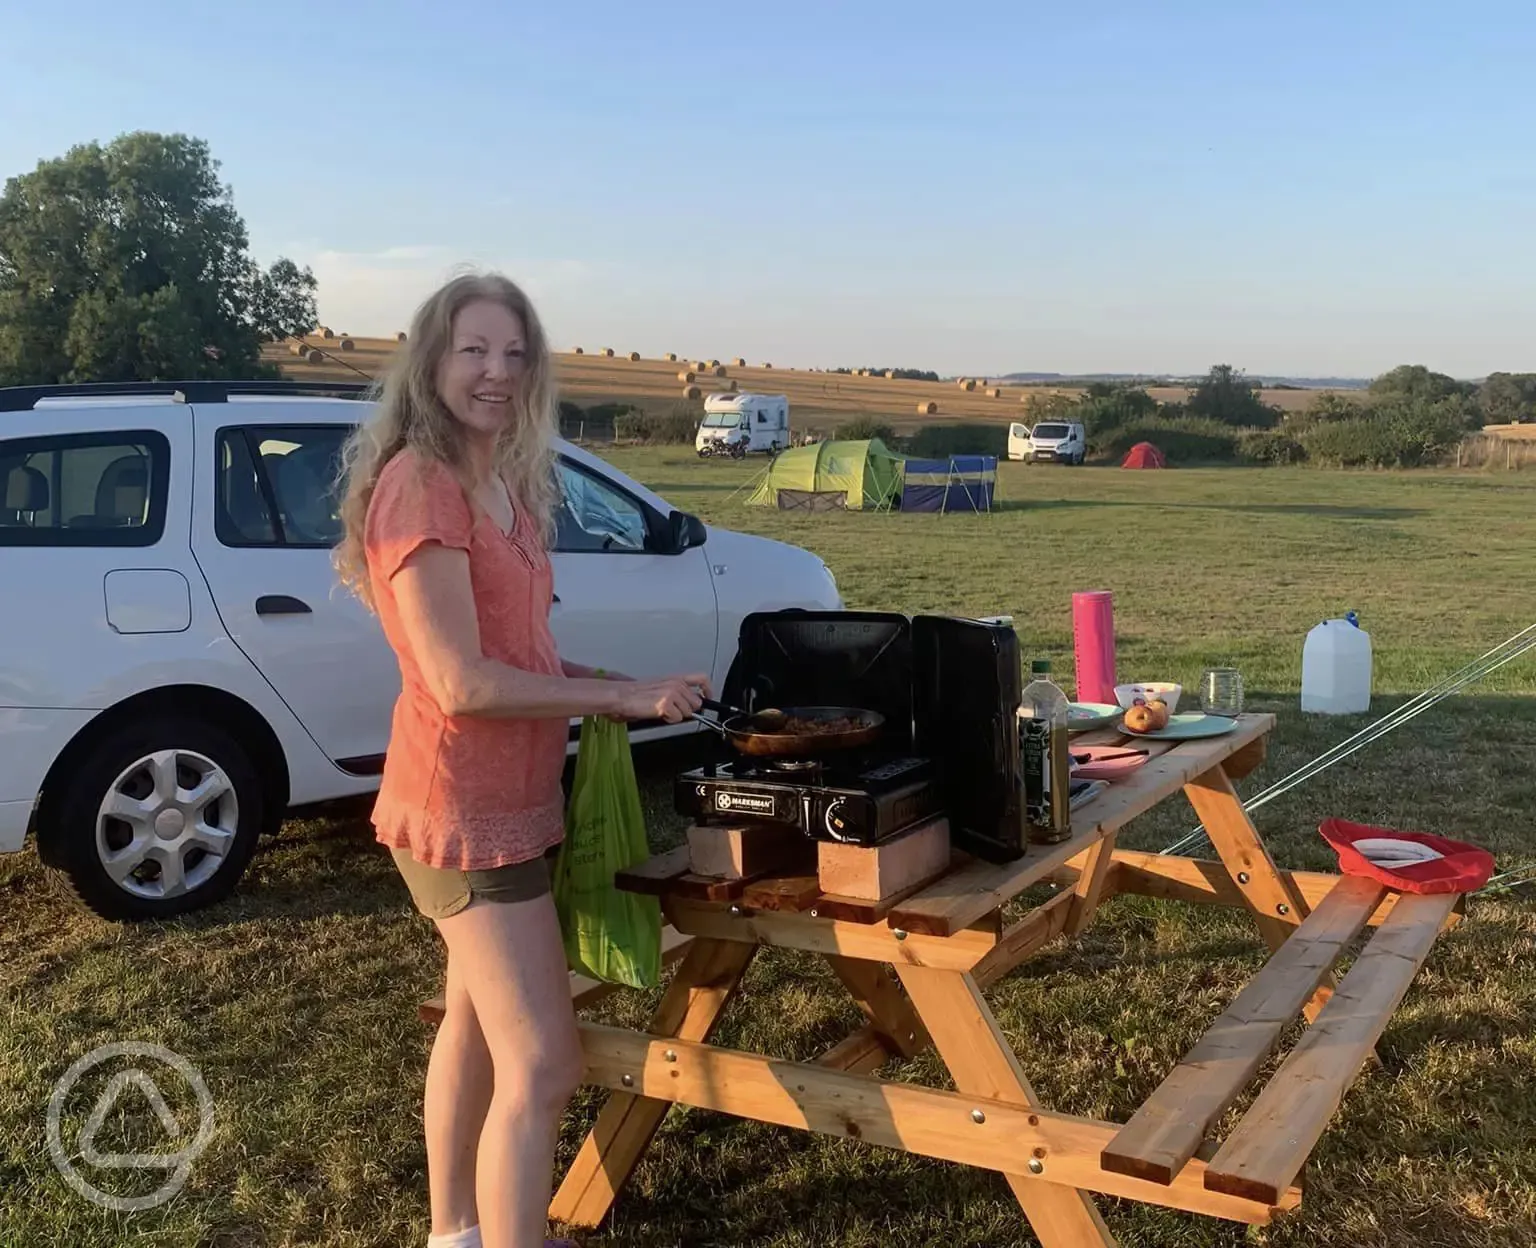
[745, 852]
[876, 872]
[783, 893]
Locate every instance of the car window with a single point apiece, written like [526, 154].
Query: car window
[595, 515]
[105, 489]
[277, 485]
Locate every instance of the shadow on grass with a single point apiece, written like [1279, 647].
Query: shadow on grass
[1321, 510]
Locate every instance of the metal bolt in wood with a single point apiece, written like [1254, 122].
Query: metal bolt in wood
[1242, 877]
[898, 933]
[627, 1080]
[977, 1116]
[670, 1055]
[1036, 1166]
[1282, 908]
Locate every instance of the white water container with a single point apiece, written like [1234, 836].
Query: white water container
[1336, 669]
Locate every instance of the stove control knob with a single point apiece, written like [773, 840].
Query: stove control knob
[833, 819]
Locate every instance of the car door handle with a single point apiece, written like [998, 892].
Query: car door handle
[281, 604]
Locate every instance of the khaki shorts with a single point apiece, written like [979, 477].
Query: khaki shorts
[440, 892]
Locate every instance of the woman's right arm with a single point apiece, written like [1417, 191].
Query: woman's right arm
[437, 610]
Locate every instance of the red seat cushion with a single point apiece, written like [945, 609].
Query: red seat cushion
[1463, 868]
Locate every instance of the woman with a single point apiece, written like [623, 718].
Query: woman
[449, 503]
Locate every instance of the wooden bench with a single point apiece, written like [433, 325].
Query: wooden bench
[1263, 1155]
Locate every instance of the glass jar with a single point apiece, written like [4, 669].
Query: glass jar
[1221, 691]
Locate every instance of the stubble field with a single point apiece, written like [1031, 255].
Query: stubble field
[297, 1001]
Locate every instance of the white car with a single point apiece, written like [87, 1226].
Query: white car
[178, 666]
[1051, 441]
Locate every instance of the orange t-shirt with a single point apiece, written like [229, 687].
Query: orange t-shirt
[465, 792]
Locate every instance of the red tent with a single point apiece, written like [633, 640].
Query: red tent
[1144, 455]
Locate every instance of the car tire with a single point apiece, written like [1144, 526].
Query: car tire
[190, 802]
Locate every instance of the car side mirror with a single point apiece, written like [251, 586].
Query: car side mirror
[685, 532]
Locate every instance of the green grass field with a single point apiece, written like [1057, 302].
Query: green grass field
[297, 1001]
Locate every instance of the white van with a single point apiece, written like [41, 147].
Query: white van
[1058, 441]
[736, 424]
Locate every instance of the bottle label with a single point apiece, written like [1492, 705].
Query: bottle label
[1035, 743]
[1047, 776]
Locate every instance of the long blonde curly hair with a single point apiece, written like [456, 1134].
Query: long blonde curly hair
[410, 413]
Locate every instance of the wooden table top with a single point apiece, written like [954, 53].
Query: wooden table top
[972, 889]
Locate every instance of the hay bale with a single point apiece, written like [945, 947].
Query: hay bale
[968, 385]
[701, 366]
[671, 356]
[690, 392]
[995, 392]
[718, 370]
[714, 363]
[687, 375]
[315, 356]
[929, 408]
[323, 332]
[740, 361]
[765, 364]
[579, 350]
[400, 337]
[634, 356]
[890, 374]
[608, 351]
[299, 348]
[348, 345]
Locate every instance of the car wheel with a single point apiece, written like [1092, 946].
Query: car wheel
[160, 819]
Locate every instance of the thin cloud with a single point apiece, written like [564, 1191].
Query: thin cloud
[375, 293]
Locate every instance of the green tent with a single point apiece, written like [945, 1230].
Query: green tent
[831, 476]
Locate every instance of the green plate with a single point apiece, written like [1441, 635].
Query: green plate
[1081, 716]
[1189, 726]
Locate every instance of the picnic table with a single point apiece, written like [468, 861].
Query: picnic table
[946, 943]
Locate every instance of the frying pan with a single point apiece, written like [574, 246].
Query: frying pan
[758, 735]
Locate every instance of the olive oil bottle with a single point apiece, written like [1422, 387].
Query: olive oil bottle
[1047, 766]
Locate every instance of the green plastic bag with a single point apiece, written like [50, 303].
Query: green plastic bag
[609, 935]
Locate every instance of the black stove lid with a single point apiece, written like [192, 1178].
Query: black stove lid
[827, 658]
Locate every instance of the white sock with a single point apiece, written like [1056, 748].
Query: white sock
[458, 1239]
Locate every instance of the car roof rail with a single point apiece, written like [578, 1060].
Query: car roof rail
[24, 398]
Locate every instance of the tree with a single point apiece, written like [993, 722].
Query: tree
[284, 301]
[1226, 395]
[1509, 398]
[1414, 381]
[128, 262]
[1331, 407]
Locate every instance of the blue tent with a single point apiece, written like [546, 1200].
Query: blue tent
[959, 483]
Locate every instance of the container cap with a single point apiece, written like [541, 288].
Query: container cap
[1038, 667]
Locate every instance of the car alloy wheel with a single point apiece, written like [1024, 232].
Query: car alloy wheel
[167, 824]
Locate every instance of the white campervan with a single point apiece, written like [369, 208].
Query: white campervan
[736, 424]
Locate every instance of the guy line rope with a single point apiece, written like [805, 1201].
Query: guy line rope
[1506, 651]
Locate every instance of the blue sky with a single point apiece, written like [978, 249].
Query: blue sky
[1304, 188]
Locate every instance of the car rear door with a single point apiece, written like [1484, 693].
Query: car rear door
[265, 520]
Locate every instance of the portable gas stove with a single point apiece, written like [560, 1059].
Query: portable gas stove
[949, 692]
[860, 802]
